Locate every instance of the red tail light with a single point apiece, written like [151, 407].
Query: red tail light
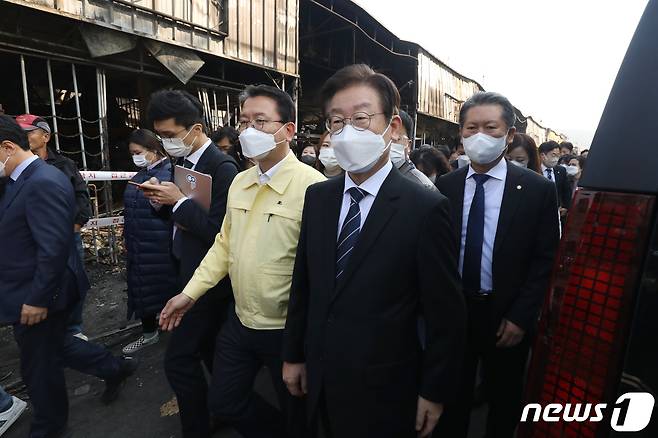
[586, 315]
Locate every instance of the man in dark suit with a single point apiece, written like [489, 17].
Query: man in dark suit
[506, 219]
[41, 279]
[177, 117]
[375, 253]
[549, 152]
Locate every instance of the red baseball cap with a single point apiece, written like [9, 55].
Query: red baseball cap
[31, 122]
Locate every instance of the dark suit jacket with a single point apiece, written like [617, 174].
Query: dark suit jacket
[526, 241]
[359, 337]
[39, 264]
[199, 228]
[563, 186]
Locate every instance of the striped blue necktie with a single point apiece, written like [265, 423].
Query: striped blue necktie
[349, 233]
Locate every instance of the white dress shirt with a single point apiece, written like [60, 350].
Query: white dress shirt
[543, 171]
[265, 177]
[194, 159]
[371, 186]
[494, 188]
[21, 167]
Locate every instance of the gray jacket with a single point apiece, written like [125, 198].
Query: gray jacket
[408, 169]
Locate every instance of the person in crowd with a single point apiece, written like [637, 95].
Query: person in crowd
[458, 158]
[522, 152]
[445, 150]
[351, 344]
[226, 138]
[584, 153]
[549, 153]
[574, 166]
[41, 280]
[504, 216]
[38, 134]
[11, 408]
[566, 148]
[309, 155]
[430, 161]
[177, 118]
[151, 271]
[256, 248]
[327, 162]
[399, 153]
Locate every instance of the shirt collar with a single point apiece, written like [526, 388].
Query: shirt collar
[265, 177]
[499, 171]
[544, 168]
[372, 184]
[194, 157]
[21, 167]
[286, 169]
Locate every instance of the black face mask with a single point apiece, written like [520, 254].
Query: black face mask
[308, 159]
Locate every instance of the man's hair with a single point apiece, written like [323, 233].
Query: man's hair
[11, 131]
[584, 151]
[284, 104]
[548, 146]
[184, 108]
[489, 98]
[408, 123]
[148, 140]
[445, 150]
[228, 132]
[361, 74]
[430, 159]
[567, 144]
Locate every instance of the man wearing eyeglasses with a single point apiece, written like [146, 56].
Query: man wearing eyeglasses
[375, 253]
[400, 153]
[256, 249]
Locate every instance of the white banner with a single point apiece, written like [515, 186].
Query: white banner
[104, 175]
[104, 222]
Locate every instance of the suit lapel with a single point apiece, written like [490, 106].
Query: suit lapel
[458, 214]
[381, 212]
[511, 198]
[330, 225]
[18, 185]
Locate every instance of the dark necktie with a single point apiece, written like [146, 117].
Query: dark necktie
[471, 272]
[188, 164]
[549, 174]
[349, 233]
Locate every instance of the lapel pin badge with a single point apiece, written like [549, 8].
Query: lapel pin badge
[518, 187]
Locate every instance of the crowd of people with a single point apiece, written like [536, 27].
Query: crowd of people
[372, 279]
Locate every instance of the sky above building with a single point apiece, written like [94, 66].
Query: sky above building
[556, 60]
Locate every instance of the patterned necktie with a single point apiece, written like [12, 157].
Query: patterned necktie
[349, 233]
[471, 272]
[549, 174]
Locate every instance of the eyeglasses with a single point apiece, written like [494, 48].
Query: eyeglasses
[359, 120]
[256, 124]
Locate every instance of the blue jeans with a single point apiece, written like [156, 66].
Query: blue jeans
[5, 400]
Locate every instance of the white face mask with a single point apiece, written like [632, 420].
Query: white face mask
[484, 149]
[140, 160]
[358, 151]
[573, 170]
[463, 161]
[519, 164]
[176, 147]
[328, 158]
[3, 169]
[397, 153]
[258, 144]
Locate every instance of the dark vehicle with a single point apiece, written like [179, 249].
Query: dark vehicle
[598, 334]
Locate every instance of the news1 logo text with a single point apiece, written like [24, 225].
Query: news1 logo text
[631, 412]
